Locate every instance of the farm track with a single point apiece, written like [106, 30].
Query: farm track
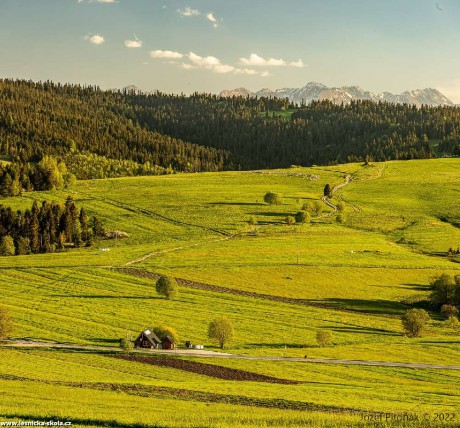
[211, 354]
[140, 273]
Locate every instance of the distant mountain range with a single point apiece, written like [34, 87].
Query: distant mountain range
[317, 91]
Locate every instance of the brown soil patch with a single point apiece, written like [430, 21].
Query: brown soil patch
[211, 370]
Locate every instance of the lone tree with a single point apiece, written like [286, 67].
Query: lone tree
[323, 338]
[414, 322]
[126, 345]
[328, 190]
[221, 329]
[271, 198]
[6, 325]
[166, 286]
[162, 331]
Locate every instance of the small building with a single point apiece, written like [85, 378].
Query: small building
[147, 339]
[167, 343]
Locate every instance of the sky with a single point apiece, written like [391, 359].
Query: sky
[207, 46]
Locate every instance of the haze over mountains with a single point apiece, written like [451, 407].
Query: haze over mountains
[314, 91]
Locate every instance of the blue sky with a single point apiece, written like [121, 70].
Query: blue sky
[186, 46]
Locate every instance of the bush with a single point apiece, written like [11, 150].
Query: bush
[271, 198]
[289, 220]
[414, 322]
[302, 217]
[126, 345]
[6, 324]
[341, 218]
[449, 311]
[323, 338]
[221, 329]
[340, 207]
[317, 208]
[166, 286]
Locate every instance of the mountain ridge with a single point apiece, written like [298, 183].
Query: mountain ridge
[315, 91]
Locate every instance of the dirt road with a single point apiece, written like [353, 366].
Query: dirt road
[202, 353]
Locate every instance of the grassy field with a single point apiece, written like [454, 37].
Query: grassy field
[279, 284]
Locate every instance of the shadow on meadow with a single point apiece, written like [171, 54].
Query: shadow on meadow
[237, 203]
[102, 296]
[378, 307]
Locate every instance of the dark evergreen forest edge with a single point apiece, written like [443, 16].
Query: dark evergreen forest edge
[54, 133]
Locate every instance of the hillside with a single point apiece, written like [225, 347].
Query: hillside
[235, 255]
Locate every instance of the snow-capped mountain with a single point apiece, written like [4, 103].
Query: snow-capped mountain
[317, 91]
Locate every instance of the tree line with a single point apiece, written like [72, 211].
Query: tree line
[158, 133]
[46, 228]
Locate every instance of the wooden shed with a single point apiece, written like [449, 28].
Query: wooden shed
[167, 343]
[147, 339]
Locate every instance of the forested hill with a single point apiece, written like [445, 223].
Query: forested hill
[38, 119]
[109, 133]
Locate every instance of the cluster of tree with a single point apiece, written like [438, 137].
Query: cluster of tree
[204, 132]
[48, 174]
[91, 165]
[46, 228]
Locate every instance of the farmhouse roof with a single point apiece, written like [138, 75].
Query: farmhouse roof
[151, 336]
[169, 338]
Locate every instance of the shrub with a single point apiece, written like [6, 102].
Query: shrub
[289, 220]
[126, 345]
[302, 217]
[324, 338]
[449, 311]
[341, 218]
[414, 322]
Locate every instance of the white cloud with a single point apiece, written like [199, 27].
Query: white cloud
[188, 11]
[97, 39]
[298, 64]
[210, 63]
[136, 43]
[210, 17]
[165, 54]
[256, 60]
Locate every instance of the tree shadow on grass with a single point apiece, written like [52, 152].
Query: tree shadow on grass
[378, 307]
[365, 330]
[416, 287]
[270, 214]
[237, 203]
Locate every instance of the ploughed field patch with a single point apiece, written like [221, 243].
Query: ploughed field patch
[211, 370]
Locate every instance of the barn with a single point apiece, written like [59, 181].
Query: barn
[147, 339]
[167, 343]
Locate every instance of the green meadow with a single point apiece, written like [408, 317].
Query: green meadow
[278, 284]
